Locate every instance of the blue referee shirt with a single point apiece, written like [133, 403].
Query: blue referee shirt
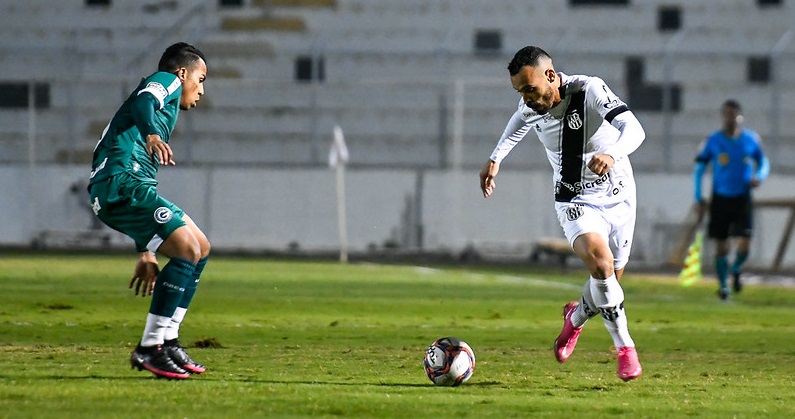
[735, 161]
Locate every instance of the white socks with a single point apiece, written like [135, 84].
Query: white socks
[605, 296]
[172, 331]
[586, 309]
[609, 298]
[160, 328]
[155, 329]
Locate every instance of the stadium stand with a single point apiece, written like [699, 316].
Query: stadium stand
[282, 73]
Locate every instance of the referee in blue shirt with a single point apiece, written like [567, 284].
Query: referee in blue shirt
[738, 165]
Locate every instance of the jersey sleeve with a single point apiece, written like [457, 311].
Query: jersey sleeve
[705, 151]
[514, 132]
[159, 89]
[762, 163]
[143, 110]
[604, 100]
[616, 113]
[164, 87]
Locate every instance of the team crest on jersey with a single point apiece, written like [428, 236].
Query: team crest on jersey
[574, 121]
[574, 212]
[163, 215]
[723, 159]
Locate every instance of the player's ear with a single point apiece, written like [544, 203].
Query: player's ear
[551, 75]
[182, 73]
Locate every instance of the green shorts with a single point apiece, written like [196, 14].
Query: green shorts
[133, 207]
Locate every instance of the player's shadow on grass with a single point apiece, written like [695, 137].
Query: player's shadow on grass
[348, 383]
[245, 380]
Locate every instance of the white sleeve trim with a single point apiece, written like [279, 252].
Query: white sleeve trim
[157, 90]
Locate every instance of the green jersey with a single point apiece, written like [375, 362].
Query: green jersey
[152, 108]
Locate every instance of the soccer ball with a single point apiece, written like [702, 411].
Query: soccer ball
[449, 362]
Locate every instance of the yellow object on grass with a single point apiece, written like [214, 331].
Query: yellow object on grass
[691, 272]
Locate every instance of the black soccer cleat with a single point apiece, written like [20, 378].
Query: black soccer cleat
[724, 294]
[157, 361]
[737, 283]
[181, 358]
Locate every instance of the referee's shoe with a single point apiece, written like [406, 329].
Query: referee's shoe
[737, 283]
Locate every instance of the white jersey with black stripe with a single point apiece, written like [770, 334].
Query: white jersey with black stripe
[600, 106]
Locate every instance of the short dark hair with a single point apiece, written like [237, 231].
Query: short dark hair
[731, 103]
[177, 56]
[526, 56]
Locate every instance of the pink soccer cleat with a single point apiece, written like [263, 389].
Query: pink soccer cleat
[628, 364]
[567, 340]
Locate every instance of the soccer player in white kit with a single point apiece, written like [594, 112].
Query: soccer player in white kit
[588, 134]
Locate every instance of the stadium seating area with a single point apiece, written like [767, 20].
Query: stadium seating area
[406, 80]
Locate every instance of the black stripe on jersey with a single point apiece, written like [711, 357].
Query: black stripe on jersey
[615, 112]
[571, 149]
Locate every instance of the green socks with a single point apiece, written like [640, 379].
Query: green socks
[170, 287]
[190, 286]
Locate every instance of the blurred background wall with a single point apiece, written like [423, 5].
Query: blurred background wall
[419, 88]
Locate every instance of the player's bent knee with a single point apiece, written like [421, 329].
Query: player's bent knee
[205, 249]
[182, 243]
[602, 268]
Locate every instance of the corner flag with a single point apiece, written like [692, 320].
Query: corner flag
[339, 151]
[691, 272]
[337, 158]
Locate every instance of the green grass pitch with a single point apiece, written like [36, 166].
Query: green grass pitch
[314, 339]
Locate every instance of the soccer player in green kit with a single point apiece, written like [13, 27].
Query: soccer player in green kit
[124, 196]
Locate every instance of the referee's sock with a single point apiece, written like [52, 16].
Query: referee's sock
[739, 260]
[722, 270]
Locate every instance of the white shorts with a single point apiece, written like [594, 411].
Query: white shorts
[614, 222]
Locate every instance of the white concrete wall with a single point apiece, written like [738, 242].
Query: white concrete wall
[267, 209]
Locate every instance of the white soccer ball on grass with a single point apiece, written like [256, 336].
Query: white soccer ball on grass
[449, 362]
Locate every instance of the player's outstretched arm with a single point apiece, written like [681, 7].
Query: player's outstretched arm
[145, 274]
[487, 175]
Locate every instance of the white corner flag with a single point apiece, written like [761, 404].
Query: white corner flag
[339, 151]
[337, 158]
